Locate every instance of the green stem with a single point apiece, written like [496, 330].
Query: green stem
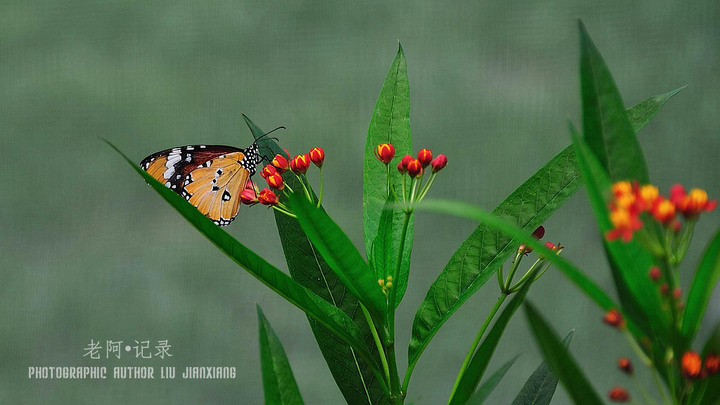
[516, 287]
[660, 385]
[286, 212]
[475, 343]
[413, 190]
[518, 258]
[426, 188]
[321, 188]
[378, 344]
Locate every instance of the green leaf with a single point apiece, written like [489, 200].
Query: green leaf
[540, 387]
[641, 113]
[631, 259]
[310, 303]
[386, 248]
[340, 254]
[480, 360]
[560, 361]
[489, 385]
[390, 122]
[484, 251]
[606, 125]
[352, 374]
[702, 287]
[278, 380]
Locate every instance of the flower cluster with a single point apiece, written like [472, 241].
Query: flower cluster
[538, 268]
[630, 201]
[415, 168]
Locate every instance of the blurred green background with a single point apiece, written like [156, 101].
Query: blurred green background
[88, 251]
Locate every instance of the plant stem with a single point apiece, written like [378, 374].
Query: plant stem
[379, 345]
[321, 188]
[476, 342]
[426, 188]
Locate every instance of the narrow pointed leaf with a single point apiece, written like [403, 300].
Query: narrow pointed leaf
[352, 374]
[560, 361]
[340, 254]
[606, 125]
[540, 387]
[489, 385]
[482, 253]
[630, 257]
[641, 113]
[278, 380]
[329, 316]
[480, 360]
[390, 123]
[703, 284]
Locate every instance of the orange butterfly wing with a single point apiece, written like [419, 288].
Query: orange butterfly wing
[215, 186]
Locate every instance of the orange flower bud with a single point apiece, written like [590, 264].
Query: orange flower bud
[300, 163]
[691, 365]
[625, 365]
[438, 163]
[614, 318]
[281, 163]
[275, 181]
[414, 168]
[248, 197]
[648, 195]
[425, 157]
[317, 156]
[385, 152]
[663, 210]
[267, 171]
[712, 364]
[655, 273]
[267, 197]
[619, 394]
[691, 205]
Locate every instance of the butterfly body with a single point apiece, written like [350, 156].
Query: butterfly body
[210, 177]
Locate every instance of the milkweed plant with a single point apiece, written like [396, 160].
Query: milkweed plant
[350, 299]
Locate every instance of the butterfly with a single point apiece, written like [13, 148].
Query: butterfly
[210, 177]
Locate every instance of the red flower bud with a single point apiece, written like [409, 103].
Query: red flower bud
[250, 185]
[402, 166]
[267, 171]
[385, 152]
[619, 394]
[425, 157]
[267, 197]
[712, 364]
[614, 318]
[275, 181]
[537, 234]
[317, 156]
[300, 163]
[281, 163]
[625, 365]
[664, 289]
[438, 163]
[414, 168]
[677, 293]
[655, 273]
[248, 197]
[691, 365]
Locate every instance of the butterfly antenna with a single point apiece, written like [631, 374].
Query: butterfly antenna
[268, 133]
